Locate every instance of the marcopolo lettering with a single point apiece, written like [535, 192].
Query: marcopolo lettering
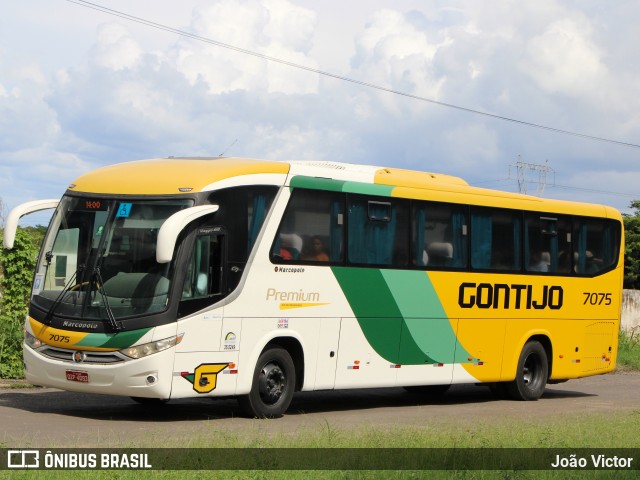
[517, 296]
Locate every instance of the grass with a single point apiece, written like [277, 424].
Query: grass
[629, 349]
[617, 430]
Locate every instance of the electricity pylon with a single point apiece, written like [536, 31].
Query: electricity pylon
[525, 171]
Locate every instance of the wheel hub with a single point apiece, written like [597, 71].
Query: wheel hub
[272, 383]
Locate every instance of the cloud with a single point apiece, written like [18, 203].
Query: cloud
[563, 59]
[115, 49]
[392, 51]
[548, 62]
[39, 172]
[276, 28]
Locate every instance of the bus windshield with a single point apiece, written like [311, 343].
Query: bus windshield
[98, 260]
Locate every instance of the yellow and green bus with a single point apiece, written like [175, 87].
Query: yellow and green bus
[229, 277]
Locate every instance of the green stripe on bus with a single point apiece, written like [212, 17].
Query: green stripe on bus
[367, 189]
[404, 320]
[113, 340]
[314, 183]
[424, 316]
[374, 307]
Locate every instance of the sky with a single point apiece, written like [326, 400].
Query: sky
[81, 89]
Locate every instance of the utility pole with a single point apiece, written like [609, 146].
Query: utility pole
[526, 171]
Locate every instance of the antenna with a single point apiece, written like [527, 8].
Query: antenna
[227, 149]
[524, 172]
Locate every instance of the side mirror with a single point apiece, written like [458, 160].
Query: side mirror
[172, 227]
[11, 225]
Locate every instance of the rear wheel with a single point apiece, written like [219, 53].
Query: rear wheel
[532, 373]
[273, 384]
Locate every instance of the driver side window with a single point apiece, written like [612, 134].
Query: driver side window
[205, 268]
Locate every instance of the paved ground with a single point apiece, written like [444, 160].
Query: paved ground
[46, 418]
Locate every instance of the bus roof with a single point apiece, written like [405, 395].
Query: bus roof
[166, 176]
[179, 175]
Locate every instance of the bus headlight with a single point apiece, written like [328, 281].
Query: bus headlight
[150, 348]
[32, 341]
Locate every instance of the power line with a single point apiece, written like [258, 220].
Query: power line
[149, 23]
[514, 182]
[593, 190]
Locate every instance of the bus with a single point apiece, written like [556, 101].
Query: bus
[230, 277]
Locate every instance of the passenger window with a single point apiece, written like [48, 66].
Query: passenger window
[378, 231]
[311, 230]
[495, 239]
[547, 244]
[439, 235]
[596, 245]
[205, 269]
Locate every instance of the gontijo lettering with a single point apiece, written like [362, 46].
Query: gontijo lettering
[517, 296]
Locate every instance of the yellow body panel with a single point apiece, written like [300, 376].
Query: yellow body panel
[60, 338]
[164, 176]
[581, 327]
[411, 178]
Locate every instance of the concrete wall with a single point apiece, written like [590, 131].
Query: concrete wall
[630, 310]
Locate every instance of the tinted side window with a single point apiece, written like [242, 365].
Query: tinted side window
[242, 212]
[312, 229]
[378, 231]
[439, 235]
[495, 239]
[596, 243]
[547, 243]
[204, 276]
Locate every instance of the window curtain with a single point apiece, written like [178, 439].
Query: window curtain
[481, 238]
[552, 228]
[582, 248]
[418, 241]
[370, 242]
[459, 241]
[517, 252]
[527, 246]
[336, 232]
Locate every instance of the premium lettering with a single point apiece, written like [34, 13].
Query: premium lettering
[292, 296]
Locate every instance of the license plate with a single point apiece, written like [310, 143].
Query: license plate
[76, 376]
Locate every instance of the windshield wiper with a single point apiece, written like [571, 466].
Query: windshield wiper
[110, 316]
[56, 303]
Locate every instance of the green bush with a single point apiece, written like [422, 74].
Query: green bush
[16, 275]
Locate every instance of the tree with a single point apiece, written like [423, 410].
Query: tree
[2, 213]
[632, 247]
[16, 275]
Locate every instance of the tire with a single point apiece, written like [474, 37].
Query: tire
[434, 390]
[274, 381]
[532, 373]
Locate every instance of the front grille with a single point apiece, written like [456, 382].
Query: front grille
[89, 357]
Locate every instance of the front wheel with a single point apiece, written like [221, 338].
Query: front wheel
[273, 384]
[532, 373]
